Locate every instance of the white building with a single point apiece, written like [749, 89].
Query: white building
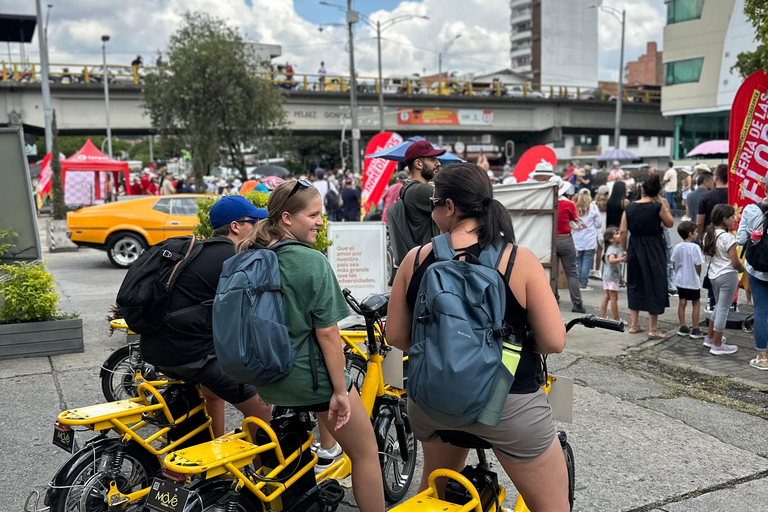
[554, 42]
[655, 151]
[702, 40]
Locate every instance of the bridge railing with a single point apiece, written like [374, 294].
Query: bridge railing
[94, 73]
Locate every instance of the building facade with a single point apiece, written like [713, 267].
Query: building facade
[554, 42]
[585, 149]
[702, 40]
[648, 69]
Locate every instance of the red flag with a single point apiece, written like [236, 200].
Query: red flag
[748, 143]
[378, 171]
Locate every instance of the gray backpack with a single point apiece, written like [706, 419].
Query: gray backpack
[249, 332]
[456, 374]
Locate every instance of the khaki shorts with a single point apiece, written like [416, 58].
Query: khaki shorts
[525, 431]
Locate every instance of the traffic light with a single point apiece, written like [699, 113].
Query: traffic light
[509, 149]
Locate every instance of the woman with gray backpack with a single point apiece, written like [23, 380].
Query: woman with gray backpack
[314, 304]
[456, 304]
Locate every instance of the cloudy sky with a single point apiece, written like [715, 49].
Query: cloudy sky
[143, 26]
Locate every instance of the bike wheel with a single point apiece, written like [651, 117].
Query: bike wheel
[569, 464]
[396, 472]
[118, 373]
[85, 488]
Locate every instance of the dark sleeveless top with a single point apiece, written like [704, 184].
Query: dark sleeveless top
[516, 317]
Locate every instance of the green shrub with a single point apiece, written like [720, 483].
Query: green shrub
[204, 230]
[29, 294]
[5, 243]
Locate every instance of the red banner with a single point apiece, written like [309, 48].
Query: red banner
[748, 148]
[377, 171]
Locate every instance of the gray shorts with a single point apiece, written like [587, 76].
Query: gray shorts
[525, 431]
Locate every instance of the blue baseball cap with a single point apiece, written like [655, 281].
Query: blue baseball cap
[231, 208]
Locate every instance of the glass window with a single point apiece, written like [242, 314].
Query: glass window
[683, 71]
[633, 141]
[559, 143]
[184, 206]
[683, 10]
[661, 141]
[162, 205]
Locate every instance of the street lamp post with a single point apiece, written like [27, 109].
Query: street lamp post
[440, 63]
[621, 16]
[352, 18]
[105, 77]
[42, 39]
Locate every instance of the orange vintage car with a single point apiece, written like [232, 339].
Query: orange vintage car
[126, 228]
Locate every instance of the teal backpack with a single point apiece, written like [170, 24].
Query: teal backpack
[462, 358]
[249, 332]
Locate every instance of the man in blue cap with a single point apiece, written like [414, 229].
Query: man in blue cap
[183, 346]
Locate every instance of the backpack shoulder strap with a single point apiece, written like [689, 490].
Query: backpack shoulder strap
[176, 267]
[442, 247]
[491, 257]
[510, 264]
[288, 241]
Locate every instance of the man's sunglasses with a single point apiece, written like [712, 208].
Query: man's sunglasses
[436, 201]
[299, 183]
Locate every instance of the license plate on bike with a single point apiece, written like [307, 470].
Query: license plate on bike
[64, 437]
[166, 497]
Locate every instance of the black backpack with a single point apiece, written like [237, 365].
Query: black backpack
[757, 251]
[146, 290]
[400, 236]
[331, 201]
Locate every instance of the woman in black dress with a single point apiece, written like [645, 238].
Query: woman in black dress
[614, 209]
[646, 256]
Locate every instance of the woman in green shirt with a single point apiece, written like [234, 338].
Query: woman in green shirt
[313, 305]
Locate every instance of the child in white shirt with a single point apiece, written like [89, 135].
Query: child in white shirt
[687, 259]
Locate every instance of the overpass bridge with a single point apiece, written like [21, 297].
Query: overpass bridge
[460, 108]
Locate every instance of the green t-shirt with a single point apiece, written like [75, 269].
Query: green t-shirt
[312, 298]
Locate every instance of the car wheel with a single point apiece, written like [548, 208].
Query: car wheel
[125, 248]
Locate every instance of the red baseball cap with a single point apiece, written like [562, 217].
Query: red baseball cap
[421, 148]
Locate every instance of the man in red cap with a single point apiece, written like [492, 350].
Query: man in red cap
[421, 159]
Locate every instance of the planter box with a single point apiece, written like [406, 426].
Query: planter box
[41, 338]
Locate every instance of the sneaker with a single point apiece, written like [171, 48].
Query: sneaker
[697, 333]
[672, 293]
[578, 308]
[327, 457]
[594, 273]
[585, 287]
[709, 342]
[683, 330]
[685, 218]
[710, 308]
[723, 349]
[760, 364]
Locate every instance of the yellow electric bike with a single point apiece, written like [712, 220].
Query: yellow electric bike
[219, 473]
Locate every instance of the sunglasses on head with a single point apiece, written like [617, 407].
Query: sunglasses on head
[436, 201]
[299, 183]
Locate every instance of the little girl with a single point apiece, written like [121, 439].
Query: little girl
[612, 257]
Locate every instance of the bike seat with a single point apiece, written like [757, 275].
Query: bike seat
[463, 439]
[375, 304]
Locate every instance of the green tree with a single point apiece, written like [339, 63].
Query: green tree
[310, 151]
[749, 62]
[57, 185]
[71, 144]
[208, 96]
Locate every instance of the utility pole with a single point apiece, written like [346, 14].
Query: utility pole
[620, 99]
[105, 77]
[42, 39]
[381, 84]
[352, 18]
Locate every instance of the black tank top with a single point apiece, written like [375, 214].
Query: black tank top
[516, 316]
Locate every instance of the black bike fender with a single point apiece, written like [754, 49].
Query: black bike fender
[381, 425]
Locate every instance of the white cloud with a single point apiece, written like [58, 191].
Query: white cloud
[144, 26]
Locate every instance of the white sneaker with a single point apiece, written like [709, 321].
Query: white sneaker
[327, 457]
[586, 288]
[684, 218]
[723, 349]
[709, 342]
[594, 273]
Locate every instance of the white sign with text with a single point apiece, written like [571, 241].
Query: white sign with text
[358, 256]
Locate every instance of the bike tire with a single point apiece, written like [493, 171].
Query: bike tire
[117, 375]
[83, 476]
[397, 474]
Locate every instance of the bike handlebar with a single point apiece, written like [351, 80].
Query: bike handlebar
[352, 301]
[592, 322]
